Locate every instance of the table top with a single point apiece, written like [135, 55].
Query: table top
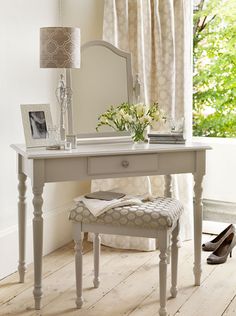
[106, 149]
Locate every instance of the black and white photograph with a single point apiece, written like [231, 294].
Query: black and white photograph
[38, 124]
[36, 119]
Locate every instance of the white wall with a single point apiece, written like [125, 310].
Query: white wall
[88, 16]
[22, 81]
[219, 182]
[85, 14]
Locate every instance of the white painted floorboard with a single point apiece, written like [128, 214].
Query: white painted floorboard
[129, 286]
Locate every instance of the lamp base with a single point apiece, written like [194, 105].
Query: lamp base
[62, 130]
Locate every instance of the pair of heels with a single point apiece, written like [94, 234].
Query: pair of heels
[221, 246]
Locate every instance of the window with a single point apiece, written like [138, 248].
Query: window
[214, 98]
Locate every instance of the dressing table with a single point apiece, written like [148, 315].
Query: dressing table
[102, 160]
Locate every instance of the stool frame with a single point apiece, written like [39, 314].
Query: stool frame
[165, 236]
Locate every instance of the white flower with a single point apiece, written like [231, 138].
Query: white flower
[140, 109]
[121, 113]
[145, 119]
[103, 120]
[128, 118]
[118, 116]
[149, 119]
[156, 116]
[131, 117]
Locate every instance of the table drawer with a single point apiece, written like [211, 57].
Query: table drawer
[122, 164]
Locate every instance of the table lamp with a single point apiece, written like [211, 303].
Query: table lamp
[60, 48]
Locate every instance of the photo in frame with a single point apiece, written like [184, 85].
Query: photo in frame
[36, 119]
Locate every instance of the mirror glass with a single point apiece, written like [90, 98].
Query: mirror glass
[103, 80]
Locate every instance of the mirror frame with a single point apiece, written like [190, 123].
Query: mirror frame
[130, 90]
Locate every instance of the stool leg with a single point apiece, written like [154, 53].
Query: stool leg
[78, 238]
[163, 246]
[174, 260]
[168, 250]
[96, 256]
[168, 193]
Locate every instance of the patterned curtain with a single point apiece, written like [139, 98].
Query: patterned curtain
[158, 35]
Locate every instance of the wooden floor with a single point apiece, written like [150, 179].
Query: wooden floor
[129, 282]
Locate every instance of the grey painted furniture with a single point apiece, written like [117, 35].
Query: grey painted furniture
[154, 219]
[102, 161]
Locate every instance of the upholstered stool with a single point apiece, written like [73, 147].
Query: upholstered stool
[156, 219]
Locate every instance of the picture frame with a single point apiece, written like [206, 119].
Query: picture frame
[36, 119]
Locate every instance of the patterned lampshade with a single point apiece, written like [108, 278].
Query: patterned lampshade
[59, 47]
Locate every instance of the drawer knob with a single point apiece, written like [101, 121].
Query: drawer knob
[125, 163]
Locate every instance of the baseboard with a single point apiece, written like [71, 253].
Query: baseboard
[57, 232]
[219, 211]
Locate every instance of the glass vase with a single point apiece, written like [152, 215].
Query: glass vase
[139, 136]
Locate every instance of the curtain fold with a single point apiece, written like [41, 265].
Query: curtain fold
[158, 35]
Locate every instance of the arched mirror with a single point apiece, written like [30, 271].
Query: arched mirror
[104, 79]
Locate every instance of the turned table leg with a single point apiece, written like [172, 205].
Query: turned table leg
[197, 227]
[22, 225]
[38, 244]
[168, 186]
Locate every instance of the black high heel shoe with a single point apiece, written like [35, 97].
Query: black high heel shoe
[215, 243]
[220, 255]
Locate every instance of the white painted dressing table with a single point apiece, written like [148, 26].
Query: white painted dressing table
[94, 161]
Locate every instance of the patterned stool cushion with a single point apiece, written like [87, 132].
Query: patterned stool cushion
[159, 213]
